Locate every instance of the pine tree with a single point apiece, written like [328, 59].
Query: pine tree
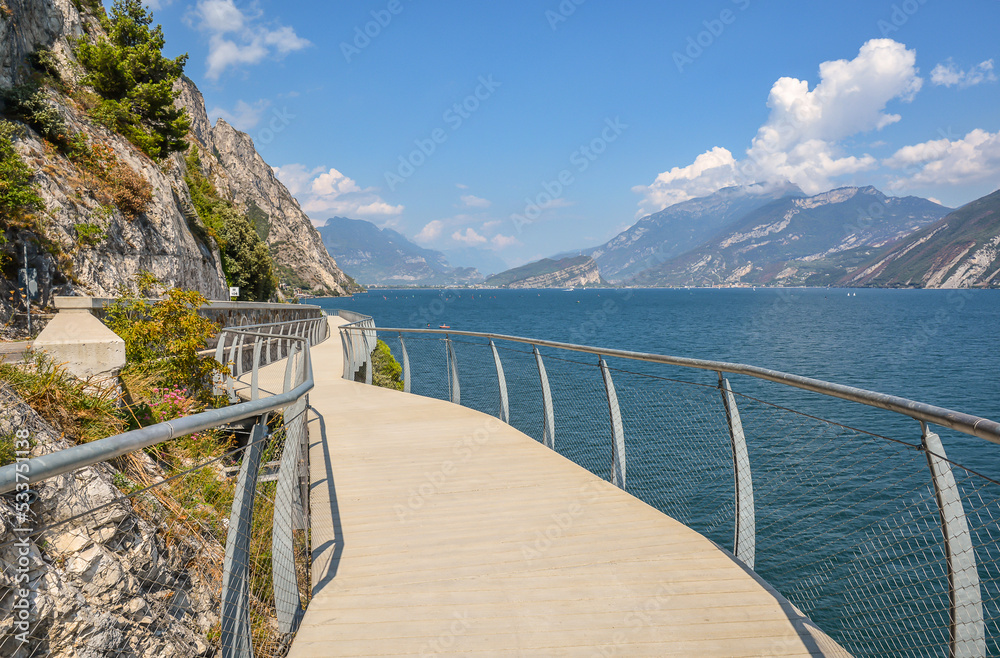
[128, 70]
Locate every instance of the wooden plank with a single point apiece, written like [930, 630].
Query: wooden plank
[438, 529]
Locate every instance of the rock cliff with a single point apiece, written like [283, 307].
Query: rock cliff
[116, 246]
[106, 584]
[962, 250]
[548, 273]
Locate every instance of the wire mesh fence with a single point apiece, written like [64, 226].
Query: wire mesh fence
[848, 517]
[194, 546]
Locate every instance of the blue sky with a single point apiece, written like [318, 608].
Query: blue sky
[531, 128]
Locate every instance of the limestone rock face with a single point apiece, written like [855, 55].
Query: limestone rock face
[296, 245]
[105, 584]
[159, 240]
[548, 273]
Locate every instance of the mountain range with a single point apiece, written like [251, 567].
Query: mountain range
[382, 256]
[961, 250]
[797, 240]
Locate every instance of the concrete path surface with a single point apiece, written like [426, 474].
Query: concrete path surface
[438, 530]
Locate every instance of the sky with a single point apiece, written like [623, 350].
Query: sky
[527, 128]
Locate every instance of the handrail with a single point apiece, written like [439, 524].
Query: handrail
[974, 425]
[88, 454]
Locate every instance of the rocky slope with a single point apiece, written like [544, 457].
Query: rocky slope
[679, 228]
[160, 239]
[385, 257]
[548, 273]
[799, 240]
[962, 250]
[107, 584]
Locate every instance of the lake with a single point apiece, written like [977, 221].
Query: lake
[846, 521]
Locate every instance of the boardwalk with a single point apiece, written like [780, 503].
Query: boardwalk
[438, 530]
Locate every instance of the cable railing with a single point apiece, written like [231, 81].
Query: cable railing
[862, 520]
[185, 537]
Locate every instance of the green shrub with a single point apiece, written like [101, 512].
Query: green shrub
[30, 104]
[17, 193]
[386, 371]
[117, 182]
[163, 338]
[44, 61]
[89, 235]
[128, 70]
[246, 259]
[63, 400]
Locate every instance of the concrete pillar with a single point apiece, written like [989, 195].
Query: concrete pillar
[76, 338]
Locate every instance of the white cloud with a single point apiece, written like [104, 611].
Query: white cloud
[973, 158]
[470, 237]
[710, 171]
[461, 186]
[430, 232]
[472, 201]
[949, 75]
[244, 116]
[328, 192]
[236, 38]
[801, 139]
[503, 241]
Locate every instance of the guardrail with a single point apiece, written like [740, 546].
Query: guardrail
[886, 542]
[257, 614]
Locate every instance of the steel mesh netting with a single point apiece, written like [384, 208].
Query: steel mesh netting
[580, 408]
[678, 452]
[847, 523]
[428, 363]
[524, 389]
[127, 559]
[477, 375]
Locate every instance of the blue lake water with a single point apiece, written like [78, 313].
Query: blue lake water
[846, 521]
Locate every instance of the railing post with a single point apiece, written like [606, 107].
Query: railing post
[235, 570]
[369, 347]
[287, 603]
[502, 384]
[745, 532]
[454, 388]
[617, 431]
[255, 370]
[218, 382]
[293, 353]
[347, 356]
[967, 630]
[548, 417]
[406, 365]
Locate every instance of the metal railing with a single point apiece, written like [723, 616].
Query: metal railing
[253, 591]
[888, 544]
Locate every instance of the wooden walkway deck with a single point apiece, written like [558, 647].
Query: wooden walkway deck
[437, 530]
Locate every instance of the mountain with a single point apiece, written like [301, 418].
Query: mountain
[799, 240]
[962, 250]
[679, 228]
[116, 212]
[548, 273]
[485, 260]
[382, 256]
